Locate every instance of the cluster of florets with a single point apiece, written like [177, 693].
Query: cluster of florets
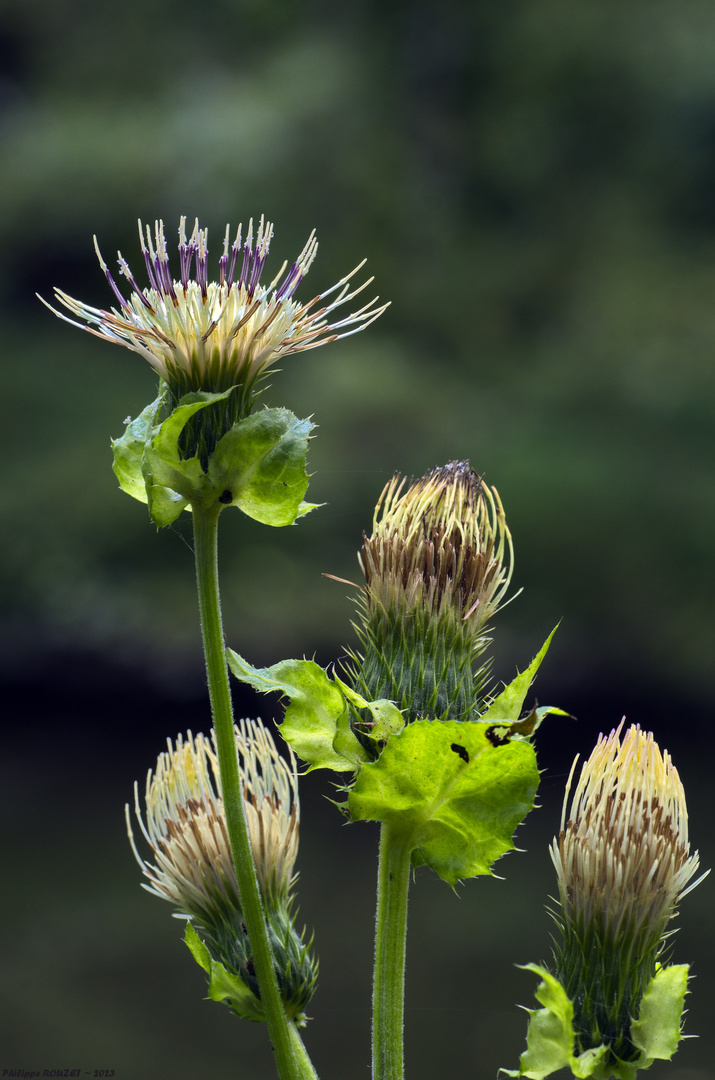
[441, 543]
[184, 824]
[623, 863]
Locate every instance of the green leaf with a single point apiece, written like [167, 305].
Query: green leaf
[508, 704]
[455, 797]
[386, 720]
[386, 717]
[163, 465]
[199, 951]
[550, 1038]
[165, 505]
[166, 441]
[261, 462]
[524, 729]
[223, 986]
[346, 745]
[128, 451]
[148, 464]
[316, 704]
[170, 481]
[656, 1032]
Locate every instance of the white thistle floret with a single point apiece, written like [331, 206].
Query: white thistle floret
[623, 853]
[185, 824]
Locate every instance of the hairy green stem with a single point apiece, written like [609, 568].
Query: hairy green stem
[291, 1058]
[388, 997]
[304, 1065]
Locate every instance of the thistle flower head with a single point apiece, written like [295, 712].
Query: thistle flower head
[623, 855]
[184, 824]
[623, 862]
[186, 827]
[442, 542]
[213, 335]
[436, 566]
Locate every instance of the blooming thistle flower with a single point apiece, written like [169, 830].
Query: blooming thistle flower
[437, 567]
[623, 863]
[202, 335]
[185, 827]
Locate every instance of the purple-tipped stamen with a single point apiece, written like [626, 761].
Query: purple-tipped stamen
[263, 243]
[202, 262]
[247, 253]
[258, 263]
[123, 303]
[166, 279]
[223, 261]
[148, 253]
[291, 283]
[234, 256]
[192, 252]
[161, 262]
[126, 272]
[115, 290]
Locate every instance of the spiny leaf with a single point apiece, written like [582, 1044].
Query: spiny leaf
[455, 796]
[509, 703]
[311, 718]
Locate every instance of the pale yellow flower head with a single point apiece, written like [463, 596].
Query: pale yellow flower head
[441, 542]
[184, 823]
[623, 854]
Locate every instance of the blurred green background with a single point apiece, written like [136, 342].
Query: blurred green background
[533, 185]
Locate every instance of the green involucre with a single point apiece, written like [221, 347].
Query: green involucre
[423, 662]
[224, 952]
[258, 465]
[223, 986]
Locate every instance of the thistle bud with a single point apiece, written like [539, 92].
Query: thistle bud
[436, 566]
[622, 857]
[184, 825]
[623, 862]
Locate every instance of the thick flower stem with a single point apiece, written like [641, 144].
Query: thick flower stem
[304, 1065]
[388, 998]
[291, 1064]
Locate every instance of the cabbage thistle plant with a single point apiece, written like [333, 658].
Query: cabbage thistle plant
[420, 738]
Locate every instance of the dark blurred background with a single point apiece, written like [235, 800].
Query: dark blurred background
[533, 185]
